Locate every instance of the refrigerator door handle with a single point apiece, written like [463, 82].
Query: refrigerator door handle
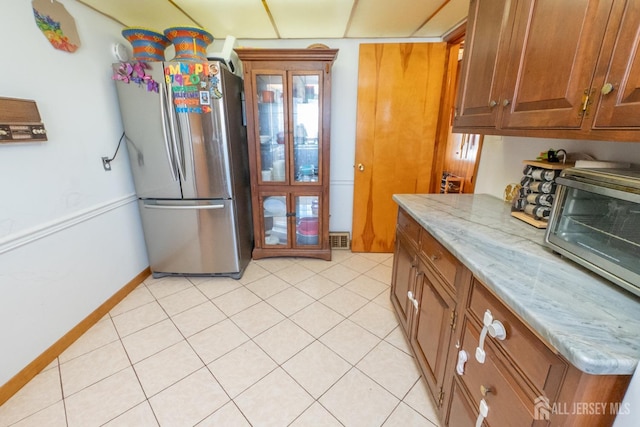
[176, 134]
[167, 146]
[183, 207]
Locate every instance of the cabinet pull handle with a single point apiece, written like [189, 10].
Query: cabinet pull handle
[484, 411]
[494, 328]
[413, 300]
[462, 359]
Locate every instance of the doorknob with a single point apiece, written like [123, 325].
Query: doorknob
[360, 167]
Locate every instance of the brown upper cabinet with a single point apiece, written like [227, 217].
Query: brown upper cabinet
[548, 68]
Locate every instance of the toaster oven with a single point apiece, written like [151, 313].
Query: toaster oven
[595, 221]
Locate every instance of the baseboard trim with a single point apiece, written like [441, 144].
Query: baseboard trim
[12, 386]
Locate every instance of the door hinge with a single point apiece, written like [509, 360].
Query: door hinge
[440, 398]
[587, 100]
[453, 320]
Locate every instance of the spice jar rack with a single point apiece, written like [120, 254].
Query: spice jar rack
[538, 187]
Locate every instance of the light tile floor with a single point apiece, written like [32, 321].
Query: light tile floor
[294, 342]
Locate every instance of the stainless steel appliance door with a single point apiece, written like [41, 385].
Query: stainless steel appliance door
[203, 151]
[190, 237]
[148, 137]
[599, 228]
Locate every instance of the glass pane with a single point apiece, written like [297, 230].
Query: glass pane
[603, 226]
[271, 127]
[275, 220]
[306, 119]
[306, 220]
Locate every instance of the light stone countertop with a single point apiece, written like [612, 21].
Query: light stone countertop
[593, 323]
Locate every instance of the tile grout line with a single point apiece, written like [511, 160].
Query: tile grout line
[293, 285]
[134, 372]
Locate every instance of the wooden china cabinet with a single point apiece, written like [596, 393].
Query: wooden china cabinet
[288, 101]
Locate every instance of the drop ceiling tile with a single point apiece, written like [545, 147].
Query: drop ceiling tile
[153, 14]
[400, 18]
[293, 19]
[446, 19]
[238, 18]
[311, 18]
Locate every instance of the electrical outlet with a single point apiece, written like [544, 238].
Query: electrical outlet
[106, 164]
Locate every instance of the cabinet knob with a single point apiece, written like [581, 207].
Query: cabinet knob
[493, 103]
[607, 89]
[485, 390]
[360, 167]
[506, 102]
[497, 330]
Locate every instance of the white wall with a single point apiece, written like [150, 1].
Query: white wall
[70, 234]
[501, 158]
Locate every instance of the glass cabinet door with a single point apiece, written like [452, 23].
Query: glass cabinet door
[271, 126]
[274, 220]
[305, 126]
[307, 223]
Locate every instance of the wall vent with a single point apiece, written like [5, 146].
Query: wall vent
[339, 240]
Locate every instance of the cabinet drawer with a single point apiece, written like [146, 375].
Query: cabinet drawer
[440, 258]
[409, 226]
[508, 404]
[532, 357]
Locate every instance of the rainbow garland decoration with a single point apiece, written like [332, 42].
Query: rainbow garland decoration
[53, 33]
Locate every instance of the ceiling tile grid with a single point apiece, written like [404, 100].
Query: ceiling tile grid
[291, 19]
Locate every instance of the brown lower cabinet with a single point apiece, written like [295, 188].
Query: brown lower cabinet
[431, 329]
[461, 413]
[520, 381]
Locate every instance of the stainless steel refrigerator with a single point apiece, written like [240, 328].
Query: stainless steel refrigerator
[187, 148]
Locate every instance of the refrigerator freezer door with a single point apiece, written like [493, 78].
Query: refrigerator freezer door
[145, 119]
[190, 237]
[197, 93]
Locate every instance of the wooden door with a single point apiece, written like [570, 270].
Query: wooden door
[620, 103]
[460, 156]
[431, 330]
[554, 52]
[463, 157]
[485, 53]
[399, 91]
